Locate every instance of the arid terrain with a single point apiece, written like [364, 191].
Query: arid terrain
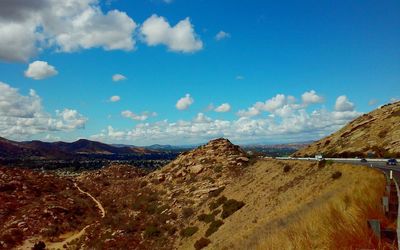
[376, 134]
[215, 196]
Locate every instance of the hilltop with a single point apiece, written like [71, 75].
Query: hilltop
[376, 134]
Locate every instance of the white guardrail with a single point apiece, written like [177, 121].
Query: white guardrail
[334, 159]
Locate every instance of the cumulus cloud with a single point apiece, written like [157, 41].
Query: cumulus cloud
[118, 77]
[22, 116]
[222, 35]
[311, 97]
[138, 117]
[39, 70]
[287, 120]
[269, 105]
[180, 38]
[115, 98]
[28, 27]
[184, 102]
[343, 104]
[225, 107]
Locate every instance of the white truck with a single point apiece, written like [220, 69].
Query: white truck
[319, 157]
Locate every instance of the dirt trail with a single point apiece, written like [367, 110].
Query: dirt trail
[102, 210]
[68, 237]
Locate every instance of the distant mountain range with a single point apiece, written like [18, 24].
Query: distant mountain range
[64, 150]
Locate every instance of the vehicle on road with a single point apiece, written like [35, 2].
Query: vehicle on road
[363, 160]
[391, 162]
[319, 157]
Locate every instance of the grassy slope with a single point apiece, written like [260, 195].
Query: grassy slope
[302, 208]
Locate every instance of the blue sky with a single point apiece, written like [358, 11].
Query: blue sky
[327, 49]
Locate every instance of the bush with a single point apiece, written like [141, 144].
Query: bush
[215, 204]
[189, 231]
[187, 212]
[286, 168]
[152, 231]
[214, 226]
[231, 206]
[39, 246]
[218, 169]
[216, 192]
[321, 163]
[336, 175]
[201, 243]
[207, 218]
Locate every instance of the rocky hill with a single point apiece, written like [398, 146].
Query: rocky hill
[376, 134]
[213, 197]
[40, 205]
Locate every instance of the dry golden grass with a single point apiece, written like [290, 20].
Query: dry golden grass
[339, 223]
[304, 208]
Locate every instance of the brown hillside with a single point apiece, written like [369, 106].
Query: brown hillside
[217, 196]
[376, 134]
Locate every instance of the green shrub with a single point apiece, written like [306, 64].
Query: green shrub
[187, 212]
[329, 162]
[189, 231]
[286, 168]
[152, 231]
[215, 204]
[207, 218]
[201, 243]
[214, 226]
[336, 175]
[321, 163]
[218, 169]
[231, 206]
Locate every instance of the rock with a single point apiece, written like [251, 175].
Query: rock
[161, 177]
[196, 169]
[245, 159]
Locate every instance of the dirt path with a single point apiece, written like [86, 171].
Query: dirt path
[103, 211]
[68, 237]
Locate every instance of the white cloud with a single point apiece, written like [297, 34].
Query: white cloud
[270, 105]
[39, 70]
[311, 97]
[286, 120]
[225, 107]
[17, 41]
[222, 35]
[115, 98]
[27, 27]
[138, 117]
[118, 77]
[181, 38]
[22, 116]
[298, 126]
[239, 78]
[184, 102]
[343, 104]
